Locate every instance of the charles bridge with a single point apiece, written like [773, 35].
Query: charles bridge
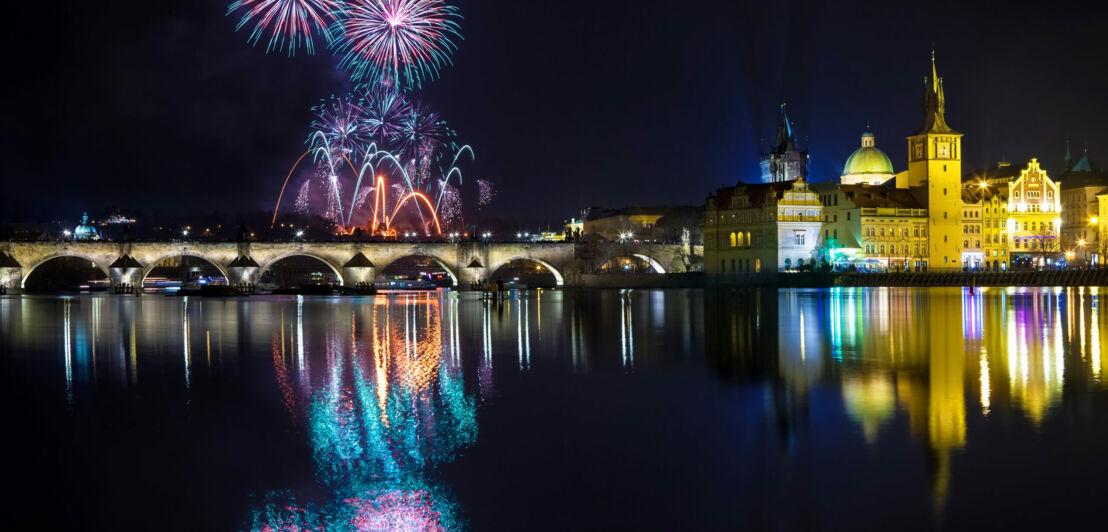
[242, 263]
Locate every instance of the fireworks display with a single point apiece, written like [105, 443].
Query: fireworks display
[485, 192]
[288, 23]
[355, 140]
[384, 111]
[405, 41]
[340, 121]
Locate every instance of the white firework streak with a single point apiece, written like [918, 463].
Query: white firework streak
[450, 209]
[302, 198]
[363, 195]
[485, 192]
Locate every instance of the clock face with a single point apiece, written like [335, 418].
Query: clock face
[944, 150]
[918, 149]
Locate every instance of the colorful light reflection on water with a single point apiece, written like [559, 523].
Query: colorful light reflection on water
[284, 413]
[386, 408]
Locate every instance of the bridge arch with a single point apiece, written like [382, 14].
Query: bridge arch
[558, 278]
[654, 264]
[154, 263]
[438, 260]
[297, 253]
[98, 264]
[650, 262]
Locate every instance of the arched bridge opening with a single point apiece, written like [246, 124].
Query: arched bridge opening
[526, 273]
[416, 272]
[66, 273]
[171, 272]
[631, 263]
[298, 271]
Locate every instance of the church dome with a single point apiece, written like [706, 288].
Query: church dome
[85, 230]
[868, 159]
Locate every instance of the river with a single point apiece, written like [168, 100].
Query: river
[863, 408]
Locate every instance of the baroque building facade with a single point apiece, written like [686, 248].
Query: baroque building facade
[927, 218]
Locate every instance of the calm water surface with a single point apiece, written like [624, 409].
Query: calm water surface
[833, 409]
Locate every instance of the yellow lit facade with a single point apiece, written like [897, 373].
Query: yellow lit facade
[1034, 217]
[933, 219]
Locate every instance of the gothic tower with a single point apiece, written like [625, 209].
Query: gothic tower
[785, 161]
[935, 161]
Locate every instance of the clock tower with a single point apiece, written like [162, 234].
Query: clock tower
[935, 162]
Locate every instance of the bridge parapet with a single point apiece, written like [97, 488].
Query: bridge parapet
[354, 262]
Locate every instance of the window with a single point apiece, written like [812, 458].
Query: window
[944, 215]
[944, 239]
[965, 244]
[738, 239]
[977, 243]
[848, 216]
[748, 239]
[882, 249]
[732, 265]
[799, 238]
[757, 265]
[733, 239]
[836, 233]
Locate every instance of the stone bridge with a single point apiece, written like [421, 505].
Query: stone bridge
[128, 263]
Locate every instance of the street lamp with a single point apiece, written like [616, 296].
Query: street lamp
[300, 233]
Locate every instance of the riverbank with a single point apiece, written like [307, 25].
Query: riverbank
[826, 280]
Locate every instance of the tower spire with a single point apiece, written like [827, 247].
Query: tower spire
[934, 103]
[934, 73]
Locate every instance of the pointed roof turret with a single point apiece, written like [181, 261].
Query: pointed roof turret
[934, 104]
[1085, 164]
[1067, 161]
[784, 132]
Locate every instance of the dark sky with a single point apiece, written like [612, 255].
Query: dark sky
[162, 106]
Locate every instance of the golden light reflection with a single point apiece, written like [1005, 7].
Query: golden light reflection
[870, 401]
[985, 391]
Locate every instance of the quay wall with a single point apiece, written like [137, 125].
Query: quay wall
[1097, 277]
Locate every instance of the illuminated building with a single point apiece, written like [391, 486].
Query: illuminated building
[928, 217]
[868, 165]
[785, 161]
[973, 255]
[644, 223]
[873, 227]
[1081, 185]
[935, 161]
[1034, 222]
[994, 216]
[761, 227]
[85, 230]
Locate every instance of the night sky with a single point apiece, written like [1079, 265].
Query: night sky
[163, 107]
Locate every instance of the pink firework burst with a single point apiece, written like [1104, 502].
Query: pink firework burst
[287, 22]
[405, 41]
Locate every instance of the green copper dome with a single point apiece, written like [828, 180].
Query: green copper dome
[868, 159]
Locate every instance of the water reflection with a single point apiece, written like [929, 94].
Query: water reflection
[363, 406]
[920, 353]
[385, 409]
